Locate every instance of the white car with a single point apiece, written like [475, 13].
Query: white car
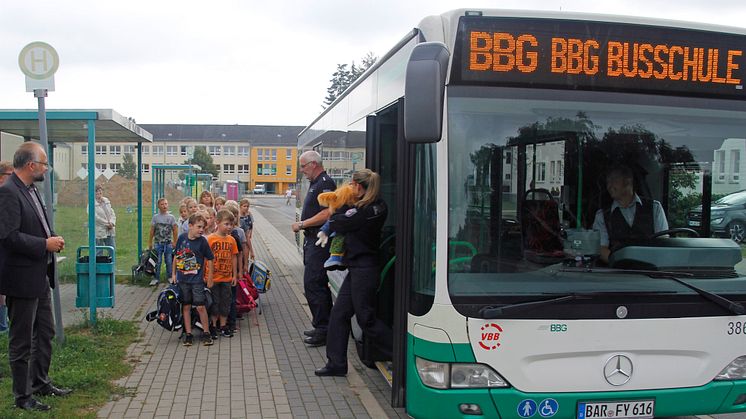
[259, 189]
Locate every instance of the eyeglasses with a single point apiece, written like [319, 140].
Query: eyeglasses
[303, 166]
[42, 162]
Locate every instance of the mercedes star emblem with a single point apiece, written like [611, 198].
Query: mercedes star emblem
[618, 370]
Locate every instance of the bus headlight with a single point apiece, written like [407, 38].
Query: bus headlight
[736, 370]
[475, 375]
[444, 375]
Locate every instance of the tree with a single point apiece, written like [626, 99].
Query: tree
[203, 159]
[129, 168]
[342, 78]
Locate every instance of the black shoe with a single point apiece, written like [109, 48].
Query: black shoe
[51, 390]
[33, 404]
[310, 332]
[318, 340]
[328, 371]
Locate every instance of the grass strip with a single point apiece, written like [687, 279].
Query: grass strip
[89, 361]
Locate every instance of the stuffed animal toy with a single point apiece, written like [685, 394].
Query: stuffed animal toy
[344, 195]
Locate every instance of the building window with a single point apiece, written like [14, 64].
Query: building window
[100, 150]
[259, 154]
[229, 150]
[243, 151]
[214, 150]
[270, 169]
[115, 150]
[145, 149]
[172, 150]
[101, 166]
[288, 170]
[183, 150]
[243, 169]
[84, 166]
[115, 167]
[145, 168]
[229, 169]
[129, 149]
[259, 171]
[288, 154]
[274, 154]
[541, 172]
[157, 150]
[84, 150]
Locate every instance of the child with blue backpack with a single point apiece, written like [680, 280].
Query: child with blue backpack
[191, 253]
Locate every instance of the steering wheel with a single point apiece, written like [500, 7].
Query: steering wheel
[689, 231]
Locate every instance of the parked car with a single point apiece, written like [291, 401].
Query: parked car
[259, 189]
[727, 217]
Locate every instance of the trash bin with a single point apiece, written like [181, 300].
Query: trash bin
[105, 269]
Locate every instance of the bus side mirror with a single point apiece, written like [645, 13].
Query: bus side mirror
[424, 92]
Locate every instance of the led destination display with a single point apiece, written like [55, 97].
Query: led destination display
[599, 56]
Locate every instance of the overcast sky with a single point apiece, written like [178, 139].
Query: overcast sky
[238, 61]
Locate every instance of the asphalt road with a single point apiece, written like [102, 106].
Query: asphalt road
[273, 208]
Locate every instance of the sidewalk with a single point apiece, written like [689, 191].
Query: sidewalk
[264, 371]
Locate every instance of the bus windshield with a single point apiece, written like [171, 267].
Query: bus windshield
[527, 181]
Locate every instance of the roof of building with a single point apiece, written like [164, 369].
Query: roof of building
[256, 135]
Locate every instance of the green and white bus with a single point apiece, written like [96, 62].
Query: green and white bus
[492, 131]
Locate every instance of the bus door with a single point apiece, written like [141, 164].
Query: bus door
[384, 139]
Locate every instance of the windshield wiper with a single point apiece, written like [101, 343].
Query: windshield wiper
[494, 312]
[731, 306]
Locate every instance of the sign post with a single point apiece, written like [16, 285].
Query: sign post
[39, 61]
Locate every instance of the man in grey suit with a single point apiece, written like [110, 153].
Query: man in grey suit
[27, 247]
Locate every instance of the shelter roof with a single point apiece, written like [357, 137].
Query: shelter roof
[71, 125]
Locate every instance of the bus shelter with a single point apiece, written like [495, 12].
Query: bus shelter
[159, 173]
[76, 126]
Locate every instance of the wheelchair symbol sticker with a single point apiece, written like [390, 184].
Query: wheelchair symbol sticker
[526, 408]
[548, 408]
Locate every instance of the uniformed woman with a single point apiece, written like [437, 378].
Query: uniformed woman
[361, 224]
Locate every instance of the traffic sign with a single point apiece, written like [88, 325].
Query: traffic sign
[39, 61]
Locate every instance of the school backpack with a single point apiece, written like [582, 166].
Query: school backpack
[246, 295]
[168, 314]
[148, 262]
[260, 276]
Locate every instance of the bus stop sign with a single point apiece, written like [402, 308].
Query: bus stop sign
[39, 61]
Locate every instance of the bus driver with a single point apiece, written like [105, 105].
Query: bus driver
[630, 218]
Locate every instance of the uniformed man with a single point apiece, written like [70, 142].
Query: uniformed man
[315, 281]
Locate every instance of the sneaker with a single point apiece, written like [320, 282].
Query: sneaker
[188, 340]
[227, 333]
[153, 282]
[207, 339]
[213, 332]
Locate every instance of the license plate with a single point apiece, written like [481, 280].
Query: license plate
[617, 409]
[694, 223]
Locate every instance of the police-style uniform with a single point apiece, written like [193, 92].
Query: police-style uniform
[357, 295]
[315, 281]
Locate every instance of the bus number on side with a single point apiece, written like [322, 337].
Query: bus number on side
[736, 328]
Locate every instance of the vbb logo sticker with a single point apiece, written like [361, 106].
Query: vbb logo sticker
[490, 335]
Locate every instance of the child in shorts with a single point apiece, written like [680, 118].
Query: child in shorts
[191, 253]
[225, 269]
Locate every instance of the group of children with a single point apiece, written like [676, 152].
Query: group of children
[209, 245]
